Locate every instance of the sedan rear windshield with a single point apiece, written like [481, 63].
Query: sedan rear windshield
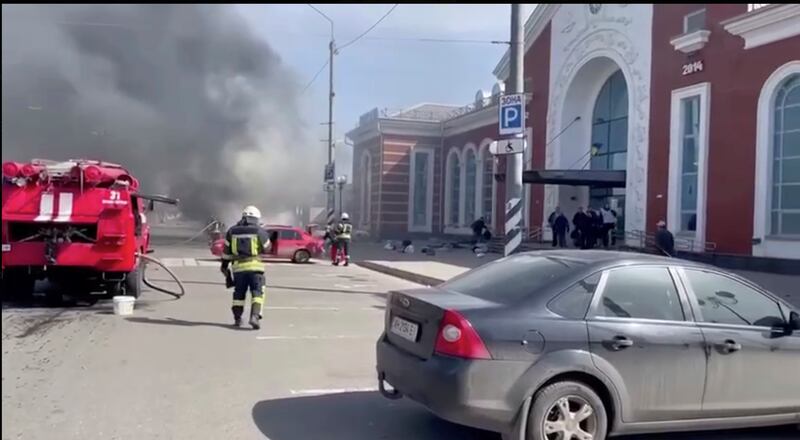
[510, 279]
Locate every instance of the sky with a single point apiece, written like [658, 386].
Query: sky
[376, 72]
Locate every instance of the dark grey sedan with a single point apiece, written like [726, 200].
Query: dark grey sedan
[581, 345]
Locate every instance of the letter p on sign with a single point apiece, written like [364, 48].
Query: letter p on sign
[512, 114]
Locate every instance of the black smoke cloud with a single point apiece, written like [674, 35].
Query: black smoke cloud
[185, 96]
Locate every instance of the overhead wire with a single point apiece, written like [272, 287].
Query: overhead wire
[354, 40]
[316, 75]
[349, 43]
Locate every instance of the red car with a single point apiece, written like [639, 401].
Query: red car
[288, 242]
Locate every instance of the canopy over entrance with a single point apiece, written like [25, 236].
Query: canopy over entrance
[593, 178]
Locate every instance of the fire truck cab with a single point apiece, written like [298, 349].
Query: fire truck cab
[77, 223]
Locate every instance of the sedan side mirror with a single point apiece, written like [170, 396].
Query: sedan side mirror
[794, 321]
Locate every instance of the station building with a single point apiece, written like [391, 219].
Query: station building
[690, 113]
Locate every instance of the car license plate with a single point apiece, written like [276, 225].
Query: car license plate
[405, 329]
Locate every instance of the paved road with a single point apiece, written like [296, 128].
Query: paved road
[177, 370]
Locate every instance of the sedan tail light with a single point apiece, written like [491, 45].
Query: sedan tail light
[458, 338]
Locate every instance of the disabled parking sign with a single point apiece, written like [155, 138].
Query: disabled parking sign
[512, 114]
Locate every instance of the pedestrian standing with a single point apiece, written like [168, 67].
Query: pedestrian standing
[581, 222]
[551, 219]
[593, 232]
[609, 222]
[560, 228]
[665, 242]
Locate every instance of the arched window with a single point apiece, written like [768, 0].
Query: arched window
[610, 125]
[609, 149]
[487, 182]
[470, 187]
[785, 204]
[453, 190]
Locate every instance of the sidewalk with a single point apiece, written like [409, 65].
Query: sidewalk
[433, 270]
[418, 267]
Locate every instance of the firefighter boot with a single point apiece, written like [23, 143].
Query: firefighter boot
[255, 312]
[254, 321]
[237, 315]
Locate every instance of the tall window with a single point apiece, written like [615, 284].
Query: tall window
[785, 212]
[610, 140]
[454, 188]
[366, 190]
[690, 129]
[610, 125]
[695, 21]
[487, 178]
[422, 168]
[470, 180]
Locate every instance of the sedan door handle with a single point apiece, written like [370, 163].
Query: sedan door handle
[620, 343]
[730, 346]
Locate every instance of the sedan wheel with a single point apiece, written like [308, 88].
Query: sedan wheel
[302, 256]
[570, 418]
[567, 411]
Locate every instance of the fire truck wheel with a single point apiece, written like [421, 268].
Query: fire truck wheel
[301, 257]
[18, 286]
[134, 282]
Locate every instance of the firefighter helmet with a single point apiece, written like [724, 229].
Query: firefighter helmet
[251, 211]
[345, 216]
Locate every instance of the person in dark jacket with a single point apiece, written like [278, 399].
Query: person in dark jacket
[595, 223]
[581, 222]
[245, 243]
[478, 227]
[560, 228]
[665, 242]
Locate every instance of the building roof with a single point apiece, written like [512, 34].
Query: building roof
[426, 111]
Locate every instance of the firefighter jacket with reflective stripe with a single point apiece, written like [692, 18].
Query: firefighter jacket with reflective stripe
[244, 245]
[343, 230]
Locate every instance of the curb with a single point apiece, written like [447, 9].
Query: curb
[402, 274]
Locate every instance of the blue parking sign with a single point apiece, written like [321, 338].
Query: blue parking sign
[512, 114]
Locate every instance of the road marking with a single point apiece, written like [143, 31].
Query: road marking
[333, 309]
[352, 286]
[312, 337]
[172, 262]
[323, 391]
[189, 262]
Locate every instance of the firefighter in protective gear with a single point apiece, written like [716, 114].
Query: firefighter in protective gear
[330, 241]
[244, 244]
[343, 231]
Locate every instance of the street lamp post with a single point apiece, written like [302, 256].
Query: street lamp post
[341, 181]
[332, 51]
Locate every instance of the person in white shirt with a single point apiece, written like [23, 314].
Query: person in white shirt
[609, 223]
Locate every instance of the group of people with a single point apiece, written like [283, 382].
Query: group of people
[589, 228]
[593, 226]
[338, 237]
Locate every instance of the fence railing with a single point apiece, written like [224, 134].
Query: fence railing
[646, 240]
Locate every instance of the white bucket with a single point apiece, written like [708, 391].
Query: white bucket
[123, 305]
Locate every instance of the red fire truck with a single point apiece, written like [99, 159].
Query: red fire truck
[78, 223]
